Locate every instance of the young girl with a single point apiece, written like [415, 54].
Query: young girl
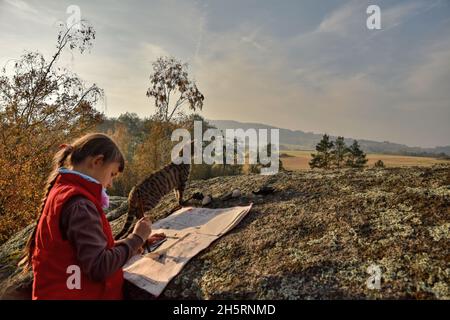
[73, 234]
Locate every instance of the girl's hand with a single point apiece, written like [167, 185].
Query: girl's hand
[155, 238]
[143, 228]
[151, 240]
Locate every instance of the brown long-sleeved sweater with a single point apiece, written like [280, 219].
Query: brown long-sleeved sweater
[81, 224]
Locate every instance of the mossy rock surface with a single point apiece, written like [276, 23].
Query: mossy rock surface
[314, 238]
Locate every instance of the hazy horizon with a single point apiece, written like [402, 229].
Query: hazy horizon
[301, 65]
[323, 132]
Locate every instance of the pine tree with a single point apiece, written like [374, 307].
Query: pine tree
[322, 159]
[356, 157]
[339, 152]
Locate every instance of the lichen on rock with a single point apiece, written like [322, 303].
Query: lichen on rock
[314, 237]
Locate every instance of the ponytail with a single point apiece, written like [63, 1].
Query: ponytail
[58, 162]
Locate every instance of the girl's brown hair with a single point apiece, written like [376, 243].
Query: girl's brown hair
[93, 144]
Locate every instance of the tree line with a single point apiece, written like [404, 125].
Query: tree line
[336, 154]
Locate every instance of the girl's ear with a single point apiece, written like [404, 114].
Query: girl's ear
[98, 160]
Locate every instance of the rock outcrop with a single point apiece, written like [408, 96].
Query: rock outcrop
[314, 237]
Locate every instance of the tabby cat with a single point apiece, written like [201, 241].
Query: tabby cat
[147, 194]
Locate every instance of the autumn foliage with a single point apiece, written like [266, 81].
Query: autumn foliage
[41, 106]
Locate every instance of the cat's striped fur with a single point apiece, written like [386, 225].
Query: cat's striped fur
[147, 194]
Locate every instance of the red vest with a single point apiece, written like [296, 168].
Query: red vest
[53, 255]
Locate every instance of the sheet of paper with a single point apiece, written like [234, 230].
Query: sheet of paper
[153, 273]
[202, 220]
[189, 231]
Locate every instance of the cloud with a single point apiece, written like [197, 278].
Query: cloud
[396, 15]
[251, 39]
[342, 20]
[323, 94]
[150, 52]
[427, 83]
[30, 13]
[331, 75]
[22, 6]
[350, 18]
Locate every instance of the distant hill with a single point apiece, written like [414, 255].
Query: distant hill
[300, 140]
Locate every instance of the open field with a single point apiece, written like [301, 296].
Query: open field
[300, 159]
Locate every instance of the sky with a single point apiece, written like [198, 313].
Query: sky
[303, 65]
